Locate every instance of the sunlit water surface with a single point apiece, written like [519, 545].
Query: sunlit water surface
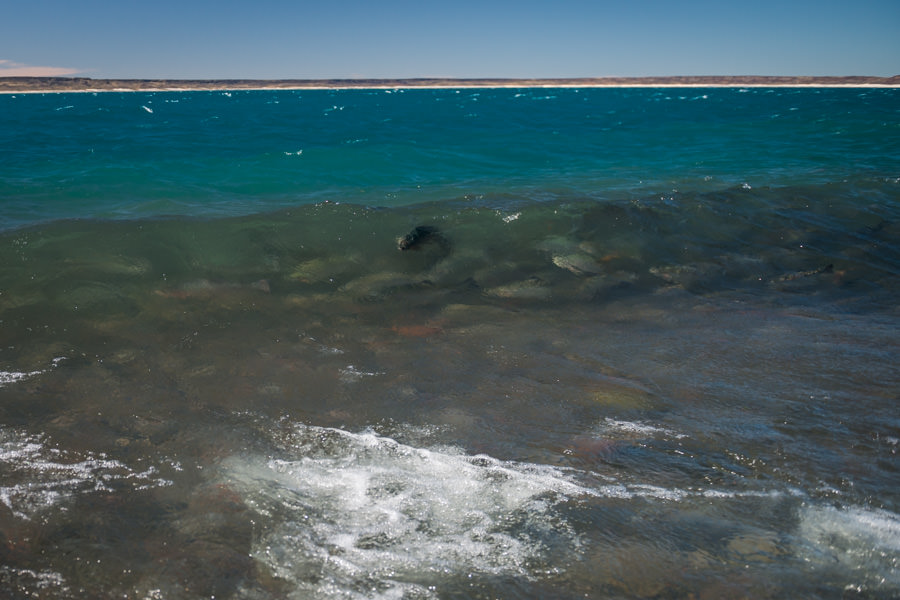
[688, 394]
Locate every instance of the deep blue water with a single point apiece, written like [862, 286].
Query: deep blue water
[642, 344]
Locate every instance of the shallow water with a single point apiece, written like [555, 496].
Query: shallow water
[679, 395]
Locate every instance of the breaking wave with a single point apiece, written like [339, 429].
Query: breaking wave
[349, 509]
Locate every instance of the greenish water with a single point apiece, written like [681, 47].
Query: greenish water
[658, 368]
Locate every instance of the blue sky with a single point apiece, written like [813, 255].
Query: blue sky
[269, 39]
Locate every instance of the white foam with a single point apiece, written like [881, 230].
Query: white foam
[351, 374]
[28, 581]
[7, 377]
[361, 515]
[865, 542]
[37, 477]
[346, 508]
[634, 429]
[629, 491]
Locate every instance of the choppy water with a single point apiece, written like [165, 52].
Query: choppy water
[648, 349]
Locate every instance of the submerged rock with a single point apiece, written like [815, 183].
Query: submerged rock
[594, 285]
[558, 244]
[321, 269]
[419, 235]
[377, 284]
[810, 277]
[532, 288]
[205, 288]
[578, 264]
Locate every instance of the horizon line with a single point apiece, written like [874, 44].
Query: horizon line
[24, 84]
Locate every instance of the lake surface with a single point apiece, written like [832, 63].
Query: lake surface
[642, 343]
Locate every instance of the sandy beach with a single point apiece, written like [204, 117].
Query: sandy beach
[84, 84]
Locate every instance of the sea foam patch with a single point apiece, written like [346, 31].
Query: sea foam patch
[629, 429]
[36, 476]
[7, 377]
[373, 517]
[362, 515]
[35, 584]
[860, 542]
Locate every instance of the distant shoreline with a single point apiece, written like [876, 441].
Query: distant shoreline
[85, 84]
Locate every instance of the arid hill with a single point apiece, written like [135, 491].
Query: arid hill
[77, 84]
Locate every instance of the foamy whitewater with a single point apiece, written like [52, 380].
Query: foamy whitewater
[477, 343]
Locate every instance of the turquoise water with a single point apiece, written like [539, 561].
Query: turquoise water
[136, 155]
[643, 344]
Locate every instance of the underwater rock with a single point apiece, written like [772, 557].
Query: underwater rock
[620, 394]
[578, 264]
[204, 288]
[462, 265]
[756, 547]
[377, 285]
[498, 273]
[557, 244]
[696, 277]
[95, 294]
[120, 265]
[206, 549]
[417, 331]
[532, 288]
[419, 235]
[597, 285]
[20, 299]
[322, 269]
[800, 279]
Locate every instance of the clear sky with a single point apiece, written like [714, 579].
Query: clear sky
[271, 39]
